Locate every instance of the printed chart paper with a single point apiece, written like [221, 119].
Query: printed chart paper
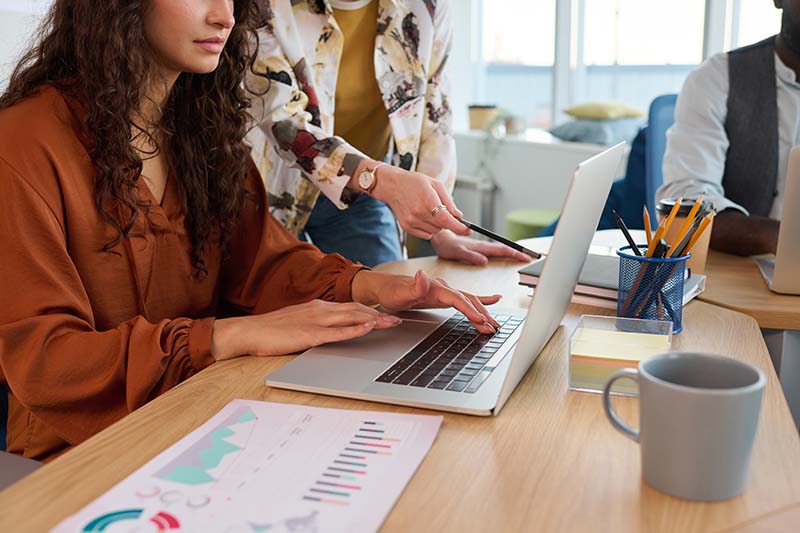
[258, 466]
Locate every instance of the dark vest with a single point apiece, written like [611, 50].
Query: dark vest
[751, 165]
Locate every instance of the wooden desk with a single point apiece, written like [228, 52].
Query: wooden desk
[549, 462]
[736, 283]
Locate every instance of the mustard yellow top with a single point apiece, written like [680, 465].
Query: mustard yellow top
[360, 116]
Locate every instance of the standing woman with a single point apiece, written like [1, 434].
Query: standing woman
[348, 85]
[137, 244]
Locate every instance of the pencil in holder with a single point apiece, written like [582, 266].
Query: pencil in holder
[651, 288]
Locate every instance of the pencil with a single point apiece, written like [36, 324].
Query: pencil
[663, 228]
[687, 224]
[681, 246]
[703, 225]
[648, 230]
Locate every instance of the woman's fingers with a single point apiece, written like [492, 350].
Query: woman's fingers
[444, 220]
[446, 199]
[476, 302]
[413, 230]
[344, 314]
[426, 227]
[339, 334]
[479, 306]
[456, 299]
[495, 249]
[344, 319]
[437, 293]
[350, 314]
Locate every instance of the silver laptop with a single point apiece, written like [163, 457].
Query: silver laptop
[436, 359]
[782, 273]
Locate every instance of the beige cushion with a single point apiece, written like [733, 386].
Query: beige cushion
[603, 110]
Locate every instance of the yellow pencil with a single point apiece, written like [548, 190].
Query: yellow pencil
[703, 225]
[686, 225]
[648, 230]
[663, 228]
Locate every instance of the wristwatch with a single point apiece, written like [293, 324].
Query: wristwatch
[367, 179]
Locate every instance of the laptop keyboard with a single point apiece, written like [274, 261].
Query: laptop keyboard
[455, 357]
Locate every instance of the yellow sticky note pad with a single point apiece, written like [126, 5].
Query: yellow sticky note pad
[617, 345]
[595, 354]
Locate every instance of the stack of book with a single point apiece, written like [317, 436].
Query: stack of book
[597, 284]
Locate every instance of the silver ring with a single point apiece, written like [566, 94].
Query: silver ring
[435, 210]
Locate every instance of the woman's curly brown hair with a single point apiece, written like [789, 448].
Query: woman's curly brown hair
[97, 53]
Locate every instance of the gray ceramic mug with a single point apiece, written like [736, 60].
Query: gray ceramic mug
[697, 422]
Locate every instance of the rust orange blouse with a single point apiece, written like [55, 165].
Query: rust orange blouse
[87, 336]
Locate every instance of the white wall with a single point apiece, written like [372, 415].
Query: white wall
[534, 171]
[18, 22]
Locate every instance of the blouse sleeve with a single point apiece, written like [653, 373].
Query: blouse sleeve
[268, 268]
[437, 149]
[74, 378]
[287, 108]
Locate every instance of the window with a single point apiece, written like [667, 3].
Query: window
[518, 50]
[635, 50]
[624, 50]
[643, 32]
[521, 32]
[753, 21]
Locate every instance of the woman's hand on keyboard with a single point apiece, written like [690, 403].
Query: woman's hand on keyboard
[295, 328]
[398, 293]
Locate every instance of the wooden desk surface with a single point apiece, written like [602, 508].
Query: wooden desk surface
[549, 462]
[736, 283]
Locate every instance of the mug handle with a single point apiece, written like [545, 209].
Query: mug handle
[612, 415]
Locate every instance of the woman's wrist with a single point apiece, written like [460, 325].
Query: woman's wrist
[365, 163]
[364, 287]
[226, 338]
[384, 176]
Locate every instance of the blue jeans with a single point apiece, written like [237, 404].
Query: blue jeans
[365, 232]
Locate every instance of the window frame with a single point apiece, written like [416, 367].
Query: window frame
[720, 31]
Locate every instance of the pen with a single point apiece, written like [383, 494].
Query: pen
[621, 225]
[498, 238]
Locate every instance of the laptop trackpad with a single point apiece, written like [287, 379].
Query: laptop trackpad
[386, 345]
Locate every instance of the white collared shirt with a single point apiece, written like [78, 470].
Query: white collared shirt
[697, 144]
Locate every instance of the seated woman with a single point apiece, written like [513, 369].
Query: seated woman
[137, 244]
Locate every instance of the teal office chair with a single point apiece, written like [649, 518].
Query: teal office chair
[660, 118]
[643, 175]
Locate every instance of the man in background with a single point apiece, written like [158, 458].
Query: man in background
[736, 119]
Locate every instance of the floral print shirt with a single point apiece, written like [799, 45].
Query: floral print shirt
[295, 75]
